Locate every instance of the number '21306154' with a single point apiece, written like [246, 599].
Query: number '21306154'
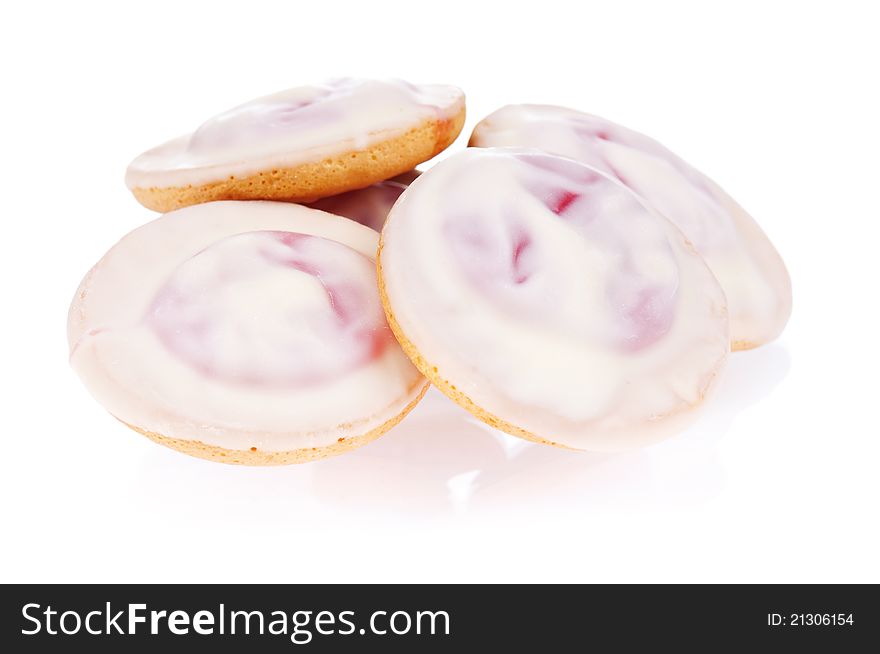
[809, 619]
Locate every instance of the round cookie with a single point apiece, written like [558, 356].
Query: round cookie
[243, 332]
[743, 259]
[550, 301]
[301, 144]
[368, 206]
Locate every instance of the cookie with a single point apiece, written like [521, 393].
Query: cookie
[550, 301]
[368, 206]
[301, 144]
[243, 332]
[749, 268]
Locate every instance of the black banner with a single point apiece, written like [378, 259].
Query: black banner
[419, 618]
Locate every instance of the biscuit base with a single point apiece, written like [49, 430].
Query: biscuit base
[312, 181]
[256, 457]
[742, 346]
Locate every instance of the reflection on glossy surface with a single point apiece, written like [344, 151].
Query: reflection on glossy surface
[440, 461]
[441, 458]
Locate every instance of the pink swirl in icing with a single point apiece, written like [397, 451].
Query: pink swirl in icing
[272, 308]
[507, 259]
[589, 139]
[593, 128]
[261, 118]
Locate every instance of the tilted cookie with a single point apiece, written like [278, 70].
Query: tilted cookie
[301, 144]
[243, 332]
[749, 268]
[368, 206]
[550, 301]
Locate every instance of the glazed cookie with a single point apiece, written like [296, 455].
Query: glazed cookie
[301, 144]
[551, 301]
[368, 206]
[743, 259]
[243, 332]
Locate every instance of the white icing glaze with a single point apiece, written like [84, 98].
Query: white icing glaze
[749, 268]
[553, 297]
[368, 206]
[241, 324]
[292, 127]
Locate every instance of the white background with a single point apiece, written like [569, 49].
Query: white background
[779, 480]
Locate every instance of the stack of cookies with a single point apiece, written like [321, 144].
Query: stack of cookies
[565, 279]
